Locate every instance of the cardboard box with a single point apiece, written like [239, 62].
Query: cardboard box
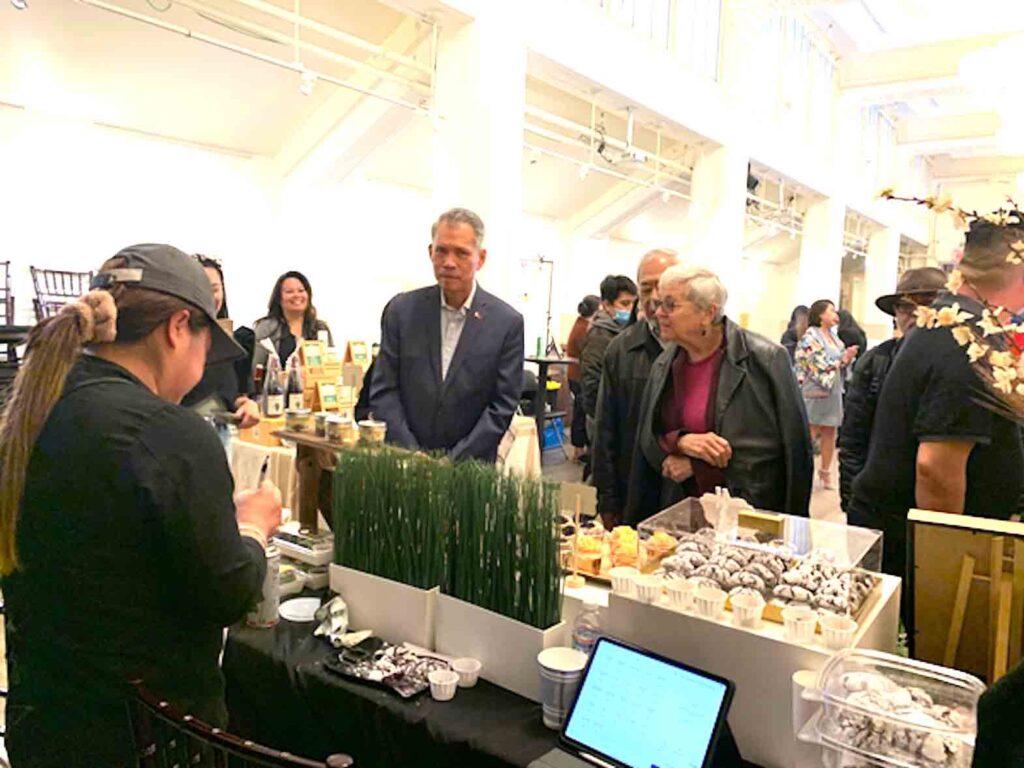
[263, 433]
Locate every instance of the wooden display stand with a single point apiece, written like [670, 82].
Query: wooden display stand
[968, 584]
[263, 433]
[358, 353]
[323, 387]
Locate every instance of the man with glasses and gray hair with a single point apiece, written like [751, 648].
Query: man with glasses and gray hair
[450, 370]
[626, 366]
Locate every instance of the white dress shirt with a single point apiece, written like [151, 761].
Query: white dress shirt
[452, 322]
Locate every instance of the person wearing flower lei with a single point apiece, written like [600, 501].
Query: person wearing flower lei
[985, 323]
[942, 439]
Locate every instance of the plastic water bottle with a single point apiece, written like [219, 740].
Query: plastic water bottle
[587, 628]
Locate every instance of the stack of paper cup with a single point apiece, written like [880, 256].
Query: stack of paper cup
[560, 671]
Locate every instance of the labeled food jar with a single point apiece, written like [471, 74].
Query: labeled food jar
[298, 420]
[334, 428]
[320, 423]
[372, 432]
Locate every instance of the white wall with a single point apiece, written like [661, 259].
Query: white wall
[75, 194]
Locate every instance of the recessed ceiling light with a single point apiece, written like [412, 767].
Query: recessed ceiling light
[21, 5]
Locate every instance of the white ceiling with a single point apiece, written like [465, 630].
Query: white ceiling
[905, 56]
[874, 25]
[78, 61]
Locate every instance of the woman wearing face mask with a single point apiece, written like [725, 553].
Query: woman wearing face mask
[221, 380]
[291, 318]
[618, 295]
[122, 551]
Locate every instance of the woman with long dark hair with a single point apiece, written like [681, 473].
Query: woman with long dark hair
[123, 549]
[224, 382]
[820, 359]
[291, 318]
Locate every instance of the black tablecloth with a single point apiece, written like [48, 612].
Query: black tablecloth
[280, 694]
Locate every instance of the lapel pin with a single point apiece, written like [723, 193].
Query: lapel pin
[476, 314]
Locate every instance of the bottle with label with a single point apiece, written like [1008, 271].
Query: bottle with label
[587, 628]
[294, 393]
[273, 391]
[257, 384]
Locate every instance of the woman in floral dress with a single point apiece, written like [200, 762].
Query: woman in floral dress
[820, 357]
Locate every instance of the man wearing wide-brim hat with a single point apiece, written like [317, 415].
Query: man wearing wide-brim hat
[916, 287]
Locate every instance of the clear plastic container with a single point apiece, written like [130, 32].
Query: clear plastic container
[587, 628]
[788, 560]
[898, 712]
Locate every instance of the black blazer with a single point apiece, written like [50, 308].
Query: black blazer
[466, 414]
[758, 409]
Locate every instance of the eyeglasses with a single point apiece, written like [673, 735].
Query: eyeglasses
[669, 304]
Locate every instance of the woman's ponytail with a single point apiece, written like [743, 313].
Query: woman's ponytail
[54, 345]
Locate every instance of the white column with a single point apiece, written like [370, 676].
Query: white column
[478, 133]
[716, 220]
[821, 253]
[880, 272]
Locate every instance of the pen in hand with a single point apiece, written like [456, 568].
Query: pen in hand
[263, 471]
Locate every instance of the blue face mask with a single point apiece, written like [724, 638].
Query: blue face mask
[621, 316]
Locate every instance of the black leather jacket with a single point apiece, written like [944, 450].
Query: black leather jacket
[758, 409]
[627, 366]
[862, 393]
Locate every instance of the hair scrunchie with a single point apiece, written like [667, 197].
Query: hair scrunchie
[96, 314]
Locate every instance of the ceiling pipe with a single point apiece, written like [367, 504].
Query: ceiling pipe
[292, 66]
[337, 34]
[280, 37]
[583, 130]
[607, 172]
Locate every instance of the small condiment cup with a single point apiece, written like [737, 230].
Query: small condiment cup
[680, 593]
[623, 577]
[747, 610]
[838, 632]
[468, 670]
[710, 602]
[648, 588]
[443, 683]
[799, 623]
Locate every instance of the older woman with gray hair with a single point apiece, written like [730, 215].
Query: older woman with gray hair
[721, 409]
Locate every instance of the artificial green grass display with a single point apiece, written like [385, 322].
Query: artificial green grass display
[482, 536]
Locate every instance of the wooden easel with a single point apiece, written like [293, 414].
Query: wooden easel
[968, 592]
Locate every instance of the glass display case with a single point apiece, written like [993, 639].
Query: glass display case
[787, 560]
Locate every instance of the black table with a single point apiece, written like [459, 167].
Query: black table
[540, 398]
[280, 694]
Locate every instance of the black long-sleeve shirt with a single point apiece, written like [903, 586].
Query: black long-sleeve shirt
[130, 566]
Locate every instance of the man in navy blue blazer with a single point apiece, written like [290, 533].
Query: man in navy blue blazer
[450, 370]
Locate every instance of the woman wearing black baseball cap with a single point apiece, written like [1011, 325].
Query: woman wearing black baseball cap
[122, 552]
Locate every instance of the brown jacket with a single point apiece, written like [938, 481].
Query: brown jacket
[574, 346]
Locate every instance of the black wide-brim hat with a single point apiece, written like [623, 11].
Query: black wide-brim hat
[913, 282]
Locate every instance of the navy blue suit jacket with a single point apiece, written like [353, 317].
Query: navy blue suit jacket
[467, 413]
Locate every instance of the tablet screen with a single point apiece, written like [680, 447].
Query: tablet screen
[646, 712]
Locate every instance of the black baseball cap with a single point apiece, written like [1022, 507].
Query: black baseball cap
[165, 269]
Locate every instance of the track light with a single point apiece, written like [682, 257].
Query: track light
[21, 5]
[307, 83]
[584, 172]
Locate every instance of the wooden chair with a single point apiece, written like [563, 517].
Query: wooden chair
[168, 738]
[55, 288]
[6, 297]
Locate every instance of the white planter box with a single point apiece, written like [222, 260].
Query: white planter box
[506, 648]
[394, 611]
